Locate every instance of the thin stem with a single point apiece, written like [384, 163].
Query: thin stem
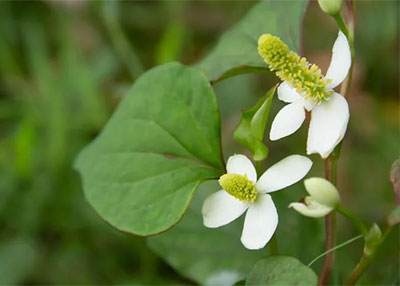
[331, 161]
[339, 20]
[329, 259]
[330, 223]
[365, 261]
[335, 248]
[354, 219]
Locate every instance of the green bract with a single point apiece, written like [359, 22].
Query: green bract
[251, 129]
[164, 139]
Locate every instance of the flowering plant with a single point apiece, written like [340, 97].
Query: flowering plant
[142, 171]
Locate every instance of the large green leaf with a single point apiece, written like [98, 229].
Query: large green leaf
[164, 139]
[207, 256]
[281, 270]
[236, 51]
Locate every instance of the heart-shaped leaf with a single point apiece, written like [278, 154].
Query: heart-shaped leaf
[236, 51]
[281, 270]
[140, 173]
[250, 131]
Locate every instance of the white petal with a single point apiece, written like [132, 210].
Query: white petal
[288, 120]
[284, 173]
[328, 125]
[287, 93]
[240, 164]
[340, 62]
[221, 208]
[311, 212]
[260, 223]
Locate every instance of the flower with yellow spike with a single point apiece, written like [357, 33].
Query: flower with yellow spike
[305, 88]
[242, 191]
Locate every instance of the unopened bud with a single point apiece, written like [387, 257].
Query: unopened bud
[323, 198]
[331, 7]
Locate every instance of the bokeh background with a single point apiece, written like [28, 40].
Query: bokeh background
[64, 66]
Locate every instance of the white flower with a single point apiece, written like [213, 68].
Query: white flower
[323, 198]
[243, 192]
[329, 118]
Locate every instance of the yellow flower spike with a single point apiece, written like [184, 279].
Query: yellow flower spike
[239, 186]
[289, 67]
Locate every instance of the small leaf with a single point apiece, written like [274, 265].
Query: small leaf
[236, 51]
[140, 173]
[250, 131]
[394, 216]
[372, 239]
[395, 180]
[281, 270]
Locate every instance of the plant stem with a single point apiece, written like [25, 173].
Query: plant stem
[335, 248]
[329, 259]
[330, 223]
[365, 260]
[331, 161]
[339, 20]
[354, 219]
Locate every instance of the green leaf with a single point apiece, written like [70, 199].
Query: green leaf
[372, 239]
[236, 51]
[207, 256]
[164, 139]
[250, 131]
[395, 180]
[281, 270]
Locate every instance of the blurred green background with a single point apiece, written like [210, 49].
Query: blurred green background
[64, 65]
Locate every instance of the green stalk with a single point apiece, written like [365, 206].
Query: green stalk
[330, 224]
[335, 248]
[331, 163]
[365, 261]
[354, 219]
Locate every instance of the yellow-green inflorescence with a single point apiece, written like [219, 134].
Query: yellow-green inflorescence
[303, 76]
[239, 186]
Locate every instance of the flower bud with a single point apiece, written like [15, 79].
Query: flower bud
[323, 191]
[323, 198]
[331, 7]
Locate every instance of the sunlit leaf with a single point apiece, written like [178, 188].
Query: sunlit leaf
[164, 139]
